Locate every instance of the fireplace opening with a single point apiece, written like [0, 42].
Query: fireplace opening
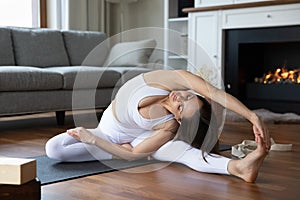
[252, 54]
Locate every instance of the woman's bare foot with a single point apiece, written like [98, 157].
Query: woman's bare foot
[248, 167]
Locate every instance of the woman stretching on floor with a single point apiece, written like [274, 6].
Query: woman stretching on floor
[155, 114]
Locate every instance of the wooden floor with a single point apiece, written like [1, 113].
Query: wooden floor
[279, 177]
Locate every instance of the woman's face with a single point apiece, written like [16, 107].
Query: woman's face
[183, 104]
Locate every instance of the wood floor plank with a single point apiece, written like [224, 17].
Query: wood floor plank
[279, 177]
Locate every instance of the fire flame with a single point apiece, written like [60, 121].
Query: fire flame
[281, 75]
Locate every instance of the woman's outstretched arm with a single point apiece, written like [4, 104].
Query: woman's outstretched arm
[184, 80]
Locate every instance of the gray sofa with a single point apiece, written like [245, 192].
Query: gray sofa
[39, 67]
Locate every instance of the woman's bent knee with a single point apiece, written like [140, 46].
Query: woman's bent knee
[54, 150]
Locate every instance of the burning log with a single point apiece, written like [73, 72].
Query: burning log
[280, 75]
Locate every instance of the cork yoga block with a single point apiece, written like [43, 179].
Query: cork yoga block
[17, 171]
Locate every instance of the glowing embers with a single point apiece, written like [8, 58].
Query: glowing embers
[280, 75]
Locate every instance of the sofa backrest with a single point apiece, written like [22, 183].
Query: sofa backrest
[39, 47]
[6, 48]
[80, 43]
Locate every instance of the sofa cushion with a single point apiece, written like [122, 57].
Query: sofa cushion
[39, 47]
[80, 43]
[6, 47]
[128, 73]
[130, 53]
[21, 78]
[87, 77]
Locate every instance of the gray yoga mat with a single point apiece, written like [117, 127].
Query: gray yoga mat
[51, 171]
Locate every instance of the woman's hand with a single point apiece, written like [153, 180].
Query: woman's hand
[260, 130]
[82, 135]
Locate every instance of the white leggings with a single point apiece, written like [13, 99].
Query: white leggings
[65, 148]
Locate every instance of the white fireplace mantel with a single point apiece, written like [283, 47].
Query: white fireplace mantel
[207, 28]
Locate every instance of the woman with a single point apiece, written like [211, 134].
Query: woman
[152, 109]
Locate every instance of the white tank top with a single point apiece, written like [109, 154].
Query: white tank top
[127, 101]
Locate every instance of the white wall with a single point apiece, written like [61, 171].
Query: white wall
[146, 13]
[78, 18]
[143, 13]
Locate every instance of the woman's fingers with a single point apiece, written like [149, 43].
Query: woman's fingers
[82, 135]
[74, 134]
[266, 137]
[260, 130]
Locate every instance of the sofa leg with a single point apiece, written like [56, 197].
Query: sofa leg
[60, 117]
[99, 115]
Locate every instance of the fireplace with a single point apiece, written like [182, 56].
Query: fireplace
[252, 53]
